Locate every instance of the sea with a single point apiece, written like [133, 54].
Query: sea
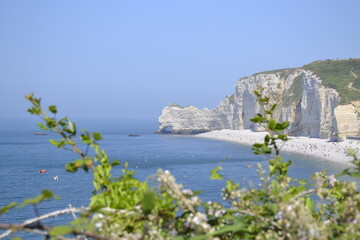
[190, 159]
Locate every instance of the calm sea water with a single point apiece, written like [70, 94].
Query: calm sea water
[190, 159]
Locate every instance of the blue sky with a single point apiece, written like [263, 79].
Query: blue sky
[129, 59]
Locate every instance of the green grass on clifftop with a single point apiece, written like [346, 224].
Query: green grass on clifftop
[342, 75]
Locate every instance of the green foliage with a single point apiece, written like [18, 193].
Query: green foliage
[45, 195]
[60, 230]
[215, 174]
[271, 125]
[355, 171]
[53, 109]
[123, 207]
[6, 208]
[97, 136]
[149, 202]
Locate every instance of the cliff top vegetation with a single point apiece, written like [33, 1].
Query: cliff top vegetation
[341, 75]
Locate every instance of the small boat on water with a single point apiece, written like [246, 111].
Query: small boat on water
[134, 135]
[40, 133]
[42, 171]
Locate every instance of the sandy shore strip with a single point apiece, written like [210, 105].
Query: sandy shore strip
[311, 147]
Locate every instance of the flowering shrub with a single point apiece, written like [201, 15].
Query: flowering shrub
[123, 207]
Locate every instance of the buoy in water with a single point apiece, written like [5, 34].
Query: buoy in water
[42, 171]
[56, 178]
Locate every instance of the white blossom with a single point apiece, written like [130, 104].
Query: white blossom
[98, 224]
[332, 180]
[187, 192]
[219, 213]
[289, 208]
[279, 215]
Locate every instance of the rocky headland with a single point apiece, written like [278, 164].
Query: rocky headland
[319, 100]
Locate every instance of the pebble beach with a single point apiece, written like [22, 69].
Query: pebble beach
[321, 149]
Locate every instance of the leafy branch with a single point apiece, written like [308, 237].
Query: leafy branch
[271, 125]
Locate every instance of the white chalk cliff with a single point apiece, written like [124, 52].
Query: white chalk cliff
[312, 109]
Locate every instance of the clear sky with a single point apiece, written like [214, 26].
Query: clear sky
[129, 59]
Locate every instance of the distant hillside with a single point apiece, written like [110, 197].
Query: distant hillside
[342, 75]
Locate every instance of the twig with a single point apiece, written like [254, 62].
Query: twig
[310, 191]
[37, 231]
[24, 226]
[260, 217]
[72, 212]
[55, 213]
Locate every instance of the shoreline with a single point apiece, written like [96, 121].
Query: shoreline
[331, 152]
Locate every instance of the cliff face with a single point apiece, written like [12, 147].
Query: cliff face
[315, 117]
[312, 109]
